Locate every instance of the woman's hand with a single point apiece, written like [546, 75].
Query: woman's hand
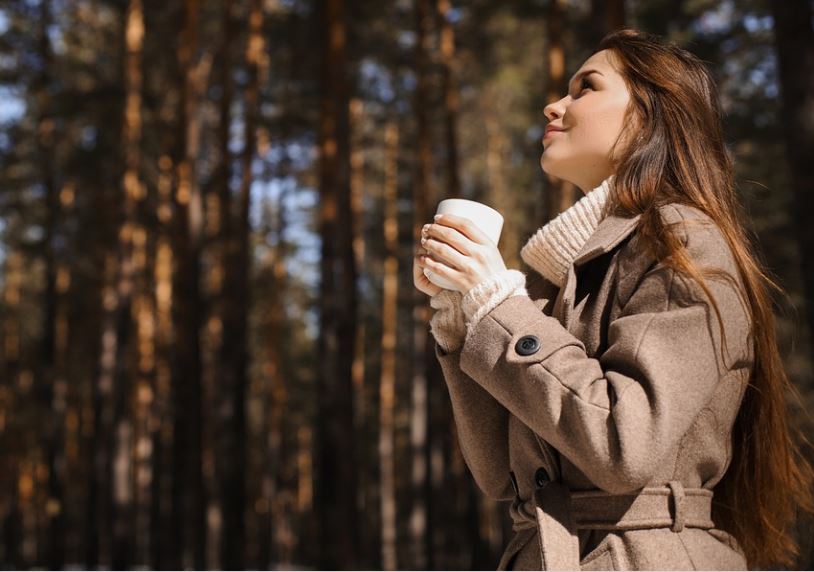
[460, 252]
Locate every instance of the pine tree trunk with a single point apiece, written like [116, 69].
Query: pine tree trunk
[49, 379]
[387, 386]
[189, 499]
[794, 40]
[358, 368]
[559, 194]
[420, 420]
[161, 499]
[231, 384]
[336, 485]
[450, 89]
[10, 329]
[606, 16]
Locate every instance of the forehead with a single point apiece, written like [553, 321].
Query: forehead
[600, 61]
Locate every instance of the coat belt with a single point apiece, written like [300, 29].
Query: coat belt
[557, 513]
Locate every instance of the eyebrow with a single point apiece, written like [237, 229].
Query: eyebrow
[581, 75]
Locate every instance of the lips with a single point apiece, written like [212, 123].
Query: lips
[551, 129]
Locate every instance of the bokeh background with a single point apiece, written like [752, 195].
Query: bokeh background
[212, 354]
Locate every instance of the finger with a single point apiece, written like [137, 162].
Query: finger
[465, 227]
[451, 236]
[422, 281]
[442, 269]
[444, 252]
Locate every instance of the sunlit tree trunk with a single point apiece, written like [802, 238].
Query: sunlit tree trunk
[559, 194]
[420, 517]
[357, 157]
[132, 297]
[387, 385]
[161, 430]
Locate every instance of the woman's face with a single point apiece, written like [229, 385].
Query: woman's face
[591, 118]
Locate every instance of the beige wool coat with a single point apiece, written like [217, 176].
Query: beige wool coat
[603, 409]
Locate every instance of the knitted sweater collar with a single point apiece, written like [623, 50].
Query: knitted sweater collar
[554, 246]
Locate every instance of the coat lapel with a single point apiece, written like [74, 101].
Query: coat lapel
[611, 231]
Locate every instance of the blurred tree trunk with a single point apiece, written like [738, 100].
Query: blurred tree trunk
[136, 457]
[11, 439]
[450, 89]
[132, 290]
[420, 517]
[110, 492]
[50, 378]
[189, 500]
[387, 385]
[794, 40]
[235, 295]
[276, 540]
[357, 189]
[161, 428]
[560, 194]
[606, 16]
[336, 484]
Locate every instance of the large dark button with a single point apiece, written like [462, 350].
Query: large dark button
[541, 477]
[527, 345]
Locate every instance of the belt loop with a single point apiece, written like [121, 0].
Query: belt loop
[678, 501]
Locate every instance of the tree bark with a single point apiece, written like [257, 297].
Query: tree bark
[336, 486]
[53, 386]
[450, 89]
[420, 421]
[559, 194]
[387, 386]
[606, 16]
[188, 495]
[794, 41]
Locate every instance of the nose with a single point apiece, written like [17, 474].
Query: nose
[555, 109]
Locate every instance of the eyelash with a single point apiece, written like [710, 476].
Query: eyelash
[583, 83]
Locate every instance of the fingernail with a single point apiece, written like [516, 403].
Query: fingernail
[423, 240]
[437, 217]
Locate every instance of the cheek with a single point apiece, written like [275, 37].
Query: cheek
[598, 128]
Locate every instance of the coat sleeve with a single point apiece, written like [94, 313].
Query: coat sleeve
[483, 428]
[612, 415]
[482, 422]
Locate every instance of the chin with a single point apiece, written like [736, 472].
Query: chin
[550, 168]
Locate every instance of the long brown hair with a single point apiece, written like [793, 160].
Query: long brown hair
[680, 156]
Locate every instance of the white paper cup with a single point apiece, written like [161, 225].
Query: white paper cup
[487, 219]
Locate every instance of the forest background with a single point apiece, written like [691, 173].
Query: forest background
[212, 354]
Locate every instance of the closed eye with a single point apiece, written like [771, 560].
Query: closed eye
[585, 83]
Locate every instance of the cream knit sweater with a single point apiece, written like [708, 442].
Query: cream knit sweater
[549, 251]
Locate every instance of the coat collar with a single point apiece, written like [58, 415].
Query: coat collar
[611, 231]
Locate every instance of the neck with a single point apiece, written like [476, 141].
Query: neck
[551, 249]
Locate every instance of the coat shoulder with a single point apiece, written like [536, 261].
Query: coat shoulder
[703, 238]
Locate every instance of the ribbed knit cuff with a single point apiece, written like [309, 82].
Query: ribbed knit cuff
[484, 297]
[447, 323]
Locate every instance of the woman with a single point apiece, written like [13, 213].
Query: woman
[632, 423]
